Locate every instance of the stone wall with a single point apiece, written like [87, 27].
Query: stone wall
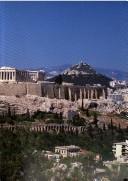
[13, 89]
[53, 91]
[50, 128]
[72, 93]
[34, 89]
[20, 89]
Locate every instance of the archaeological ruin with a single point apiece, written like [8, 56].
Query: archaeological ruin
[89, 85]
[11, 75]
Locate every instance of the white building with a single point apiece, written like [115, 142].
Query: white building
[116, 97]
[120, 149]
[36, 75]
[51, 156]
[120, 95]
[68, 151]
[10, 74]
[121, 83]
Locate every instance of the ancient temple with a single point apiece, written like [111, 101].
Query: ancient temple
[9, 74]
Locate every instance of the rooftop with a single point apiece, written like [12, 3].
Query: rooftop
[122, 143]
[4, 67]
[68, 147]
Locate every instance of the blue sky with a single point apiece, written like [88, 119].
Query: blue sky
[37, 34]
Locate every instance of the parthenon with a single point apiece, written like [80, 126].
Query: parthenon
[9, 74]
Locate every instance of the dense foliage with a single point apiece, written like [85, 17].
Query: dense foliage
[90, 79]
[16, 147]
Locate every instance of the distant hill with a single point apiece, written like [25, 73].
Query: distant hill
[112, 73]
[82, 74]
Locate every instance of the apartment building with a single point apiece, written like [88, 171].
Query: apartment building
[68, 151]
[120, 149]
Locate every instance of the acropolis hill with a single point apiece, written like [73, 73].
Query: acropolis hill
[78, 86]
[80, 82]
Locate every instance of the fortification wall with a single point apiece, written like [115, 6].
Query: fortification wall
[50, 90]
[20, 89]
[34, 89]
[13, 89]
[53, 91]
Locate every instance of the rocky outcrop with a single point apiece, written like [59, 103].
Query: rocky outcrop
[33, 103]
[81, 68]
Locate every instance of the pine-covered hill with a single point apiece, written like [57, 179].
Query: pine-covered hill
[82, 74]
[83, 80]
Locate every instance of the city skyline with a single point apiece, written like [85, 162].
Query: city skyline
[38, 34]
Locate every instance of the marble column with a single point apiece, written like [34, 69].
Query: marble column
[84, 94]
[96, 94]
[3, 75]
[92, 92]
[103, 93]
[9, 75]
[88, 94]
[75, 97]
[6, 75]
[14, 75]
[59, 93]
[69, 93]
[80, 93]
[47, 94]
